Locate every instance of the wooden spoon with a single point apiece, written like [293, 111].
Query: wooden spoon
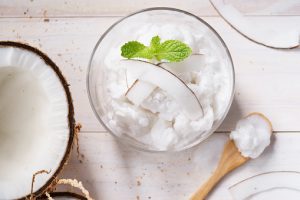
[231, 159]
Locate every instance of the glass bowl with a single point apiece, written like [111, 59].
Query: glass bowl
[110, 41]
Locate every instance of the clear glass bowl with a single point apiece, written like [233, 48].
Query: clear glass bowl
[125, 27]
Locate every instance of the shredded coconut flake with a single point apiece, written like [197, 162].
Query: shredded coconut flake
[77, 184]
[48, 196]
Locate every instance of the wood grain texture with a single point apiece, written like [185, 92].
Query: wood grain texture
[267, 80]
[78, 8]
[113, 171]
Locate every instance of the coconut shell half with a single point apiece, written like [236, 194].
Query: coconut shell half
[36, 120]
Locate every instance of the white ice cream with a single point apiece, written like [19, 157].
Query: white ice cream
[160, 122]
[252, 135]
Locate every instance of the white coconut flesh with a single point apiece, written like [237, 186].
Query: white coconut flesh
[159, 77]
[272, 185]
[266, 35]
[34, 125]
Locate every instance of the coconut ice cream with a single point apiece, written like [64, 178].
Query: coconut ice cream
[164, 105]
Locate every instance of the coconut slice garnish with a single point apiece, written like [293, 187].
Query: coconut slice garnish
[268, 36]
[261, 183]
[36, 120]
[185, 66]
[167, 81]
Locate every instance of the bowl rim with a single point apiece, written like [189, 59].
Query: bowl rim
[198, 140]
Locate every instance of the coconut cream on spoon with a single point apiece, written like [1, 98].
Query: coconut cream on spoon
[252, 135]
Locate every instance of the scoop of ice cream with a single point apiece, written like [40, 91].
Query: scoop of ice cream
[252, 135]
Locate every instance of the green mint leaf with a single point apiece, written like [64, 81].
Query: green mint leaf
[130, 49]
[145, 53]
[155, 42]
[155, 46]
[170, 50]
[173, 51]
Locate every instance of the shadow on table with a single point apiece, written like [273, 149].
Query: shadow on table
[234, 115]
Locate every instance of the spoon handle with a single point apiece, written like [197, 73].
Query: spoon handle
[204, 190]
[230, 159]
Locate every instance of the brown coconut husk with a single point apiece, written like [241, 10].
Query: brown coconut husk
[80, 156]
[62, 194]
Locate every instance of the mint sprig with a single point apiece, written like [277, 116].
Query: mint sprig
[169, 50]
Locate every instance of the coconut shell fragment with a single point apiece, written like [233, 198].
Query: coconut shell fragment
[267, 36]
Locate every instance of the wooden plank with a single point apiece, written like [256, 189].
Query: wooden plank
[267, 80]
[70, 8]
[113, 171]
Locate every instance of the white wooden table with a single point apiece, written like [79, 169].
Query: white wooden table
[267, 81]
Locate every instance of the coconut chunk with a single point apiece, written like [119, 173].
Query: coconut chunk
[164, 134]
[139, 91]
[36, 120]
[268, 36]
[168, 82]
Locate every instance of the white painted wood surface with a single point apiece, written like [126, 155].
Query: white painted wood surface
[267, 81]
[112, 171]
[79, 8]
